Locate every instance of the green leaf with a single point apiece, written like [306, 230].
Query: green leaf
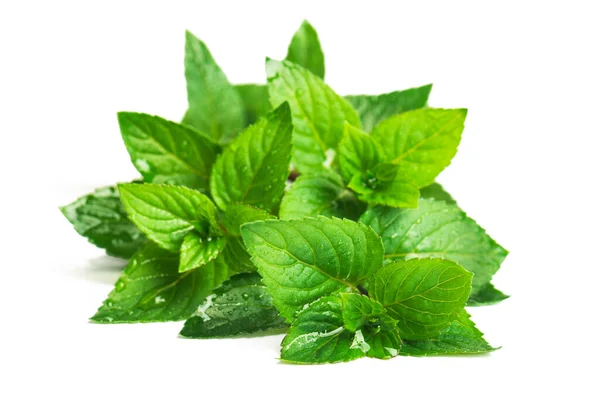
[317, 335]
[423, 295]
[318, 113]
[254, 168]
[302, 260]
[358, 153]
[197, 251]
[422, 142]
[305, 50]
[461, 337]
[437, 229]
[377, 332]
[323, 193]
[387, 186]
[167, 152]
[166, 214]
[215, 106]
[256, 101]
[436, 191]
[240, 306]
[374, 109]
[151, 289]
[487, 295]
[238, 214]
[101, 218]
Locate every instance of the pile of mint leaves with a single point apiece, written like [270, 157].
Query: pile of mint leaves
[286, 207]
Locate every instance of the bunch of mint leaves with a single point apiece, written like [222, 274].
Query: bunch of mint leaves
[289, 207]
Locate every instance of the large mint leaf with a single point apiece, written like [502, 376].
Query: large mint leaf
[423, 295]
[437, 192]
[358, 153]
[215, 106]
[487, 295]
[375, 331]
[317, 335]
[437, 229]
[318, 113]
[166, 214]
[151, 289]
[461, 337]
[256, 101]
[305, 50]
[197, 250]
[323, 193]
[102, 219]
[167, 152]
[254, 168]
[422, 142]
[238, 214]
[376, 108]
[302, 260]
[240, 306]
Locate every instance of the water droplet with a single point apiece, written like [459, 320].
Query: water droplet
[120, 286]
[108, 303]
[245, 308]
[142, 165]
[245, 296]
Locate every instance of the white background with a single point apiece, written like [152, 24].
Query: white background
[527, 171]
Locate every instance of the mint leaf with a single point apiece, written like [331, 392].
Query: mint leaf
[238, 214]
[255, 99]
[437, 229]
[166, 214]
[461, 337]
[358, 153]
[323, 193]
[422, 142]
[486, 295]
[302, 260]
[305, 50]
[374, 109]
[317, 335]
[423, 295]
[197, 250]
[318, 113]
[385, 185]
[167, 152]
[377, 333]
[151, 289]
[436, 191]
[254, 168]
[240, 306]
[215, 106]
[101, 218]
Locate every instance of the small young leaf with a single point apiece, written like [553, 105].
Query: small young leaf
[254, 168]
[461, 337]
[302, 260]
[317, 335]
[423, 295]
[305, 50]
[166, 214]
[358, 310]
[102, 219]
[237, 215]
[256, 101]
[422, 142]
[437, 229]
[151, 289]
[240, 306]
[215, 106]
[358, 153]
[487, 295]
[197, 251]
[167, 152]
[436, 191]
[324, 194]
[386, 186]
[374, 109]
[318, 113]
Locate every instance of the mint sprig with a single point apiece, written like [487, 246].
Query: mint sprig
[288, 207]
